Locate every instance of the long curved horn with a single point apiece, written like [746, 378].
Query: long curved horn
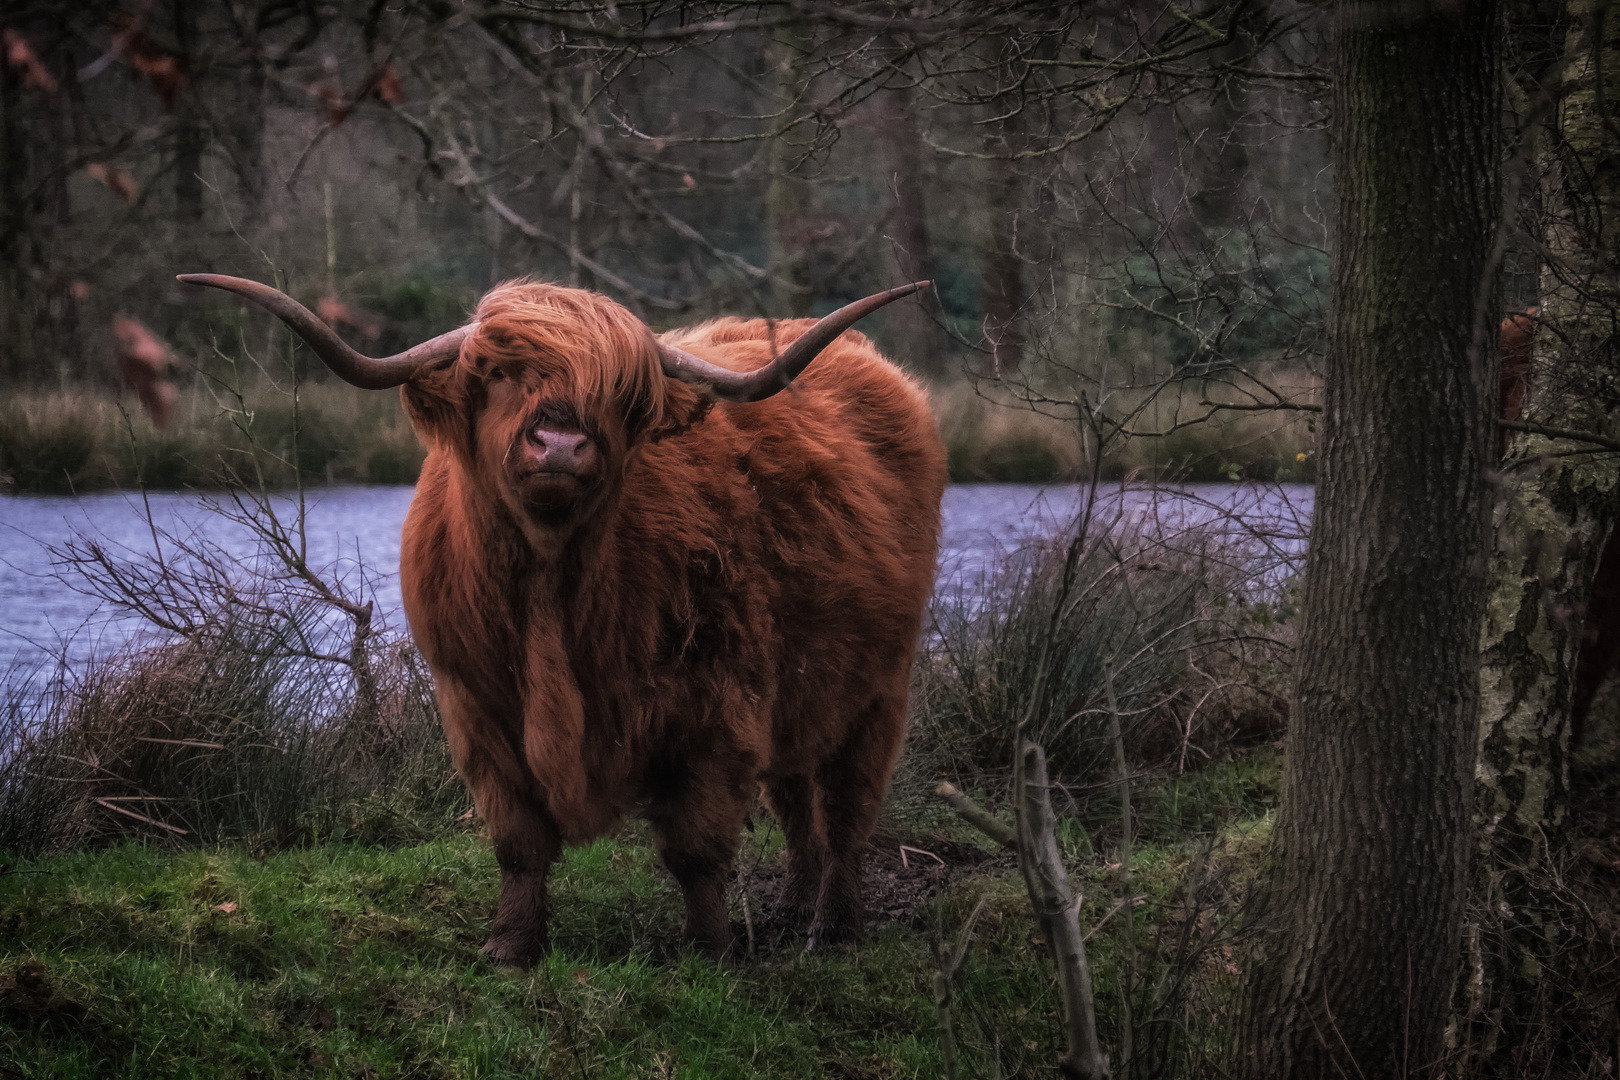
[350, 366]
[774, 377]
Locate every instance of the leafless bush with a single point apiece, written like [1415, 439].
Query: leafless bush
[224, 735]
[1189, 622]
[270, 706]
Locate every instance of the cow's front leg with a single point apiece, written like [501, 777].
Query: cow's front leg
[526, 843]
[524, 836]
[698, 824]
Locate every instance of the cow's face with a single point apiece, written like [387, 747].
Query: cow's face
[548, 398]
[553, 452]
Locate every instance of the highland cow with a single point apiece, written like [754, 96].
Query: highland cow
[649, 583]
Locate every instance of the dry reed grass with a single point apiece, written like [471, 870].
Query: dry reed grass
[90, 438]
[93, 438]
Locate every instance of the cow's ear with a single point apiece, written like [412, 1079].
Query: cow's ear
[669, 408]
[440, 406]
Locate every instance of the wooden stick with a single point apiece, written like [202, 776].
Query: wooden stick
[977, 816]
[139, 817]
[1059, 917]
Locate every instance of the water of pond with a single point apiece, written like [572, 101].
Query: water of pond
[356, 531]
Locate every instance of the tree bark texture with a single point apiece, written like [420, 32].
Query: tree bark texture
[1555, 512]
[1001, 267]
[787, 197]
[1373, 836]
[918, 343]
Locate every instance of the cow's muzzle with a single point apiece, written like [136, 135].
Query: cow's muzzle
[560, 451]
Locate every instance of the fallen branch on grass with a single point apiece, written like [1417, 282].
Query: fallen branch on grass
[1057, 912]
[139, 817]
[977, 816]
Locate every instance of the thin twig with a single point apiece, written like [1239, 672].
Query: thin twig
[139, 817]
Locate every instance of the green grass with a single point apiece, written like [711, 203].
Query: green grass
[342, 959]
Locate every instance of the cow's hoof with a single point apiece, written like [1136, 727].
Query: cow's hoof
[822, 935]
[509, 951]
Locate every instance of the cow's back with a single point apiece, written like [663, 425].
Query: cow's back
[848, 471]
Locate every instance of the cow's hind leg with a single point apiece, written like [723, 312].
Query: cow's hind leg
[852, 784]
[698, 823]
[793, 803]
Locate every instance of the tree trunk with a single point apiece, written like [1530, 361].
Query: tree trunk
[15, 356]
[1372, 837]
[1557, 510]
[786, 198]
[1001, 267]
[191, 139]
[917, 342]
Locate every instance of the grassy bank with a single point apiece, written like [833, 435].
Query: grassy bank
[243, 853]
[87, 439]
[990, 436]
[83, 440]
[342, 959]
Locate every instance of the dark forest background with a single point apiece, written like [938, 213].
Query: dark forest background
[1112, 200]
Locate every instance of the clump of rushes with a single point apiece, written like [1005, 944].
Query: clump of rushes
[1192, 627]
[46, 440]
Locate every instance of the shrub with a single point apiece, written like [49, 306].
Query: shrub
[1162, 617]
[229, 735]
[270, 711]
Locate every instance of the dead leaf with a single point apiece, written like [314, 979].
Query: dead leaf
[227, 907]
[19, 54]
[329, 92]
[144, 361]
[163, 69]
[581, 975]
[389, 90]
[118, 181]
[334, 312]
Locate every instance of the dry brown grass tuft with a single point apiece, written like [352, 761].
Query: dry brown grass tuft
[227, 735]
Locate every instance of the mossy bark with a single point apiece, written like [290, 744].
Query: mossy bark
[1556, 511]
[1354, 974]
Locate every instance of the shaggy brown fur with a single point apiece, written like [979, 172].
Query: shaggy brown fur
[698, 600]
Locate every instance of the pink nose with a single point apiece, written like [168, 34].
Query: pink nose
[561, 451]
